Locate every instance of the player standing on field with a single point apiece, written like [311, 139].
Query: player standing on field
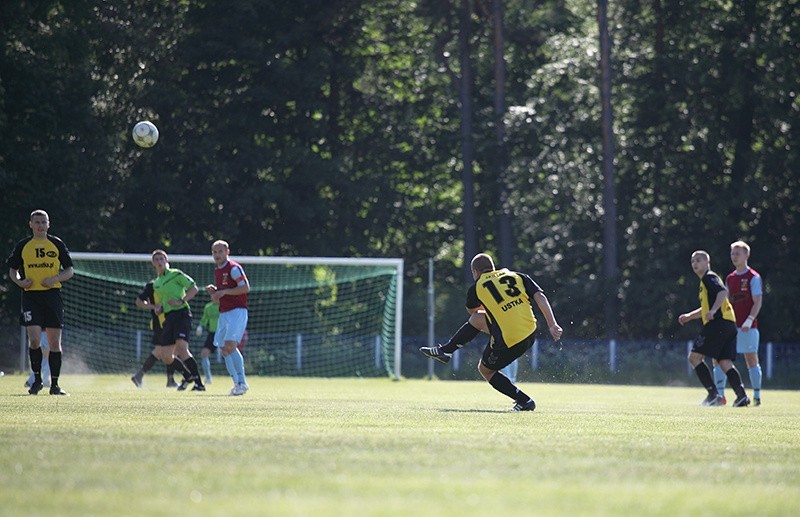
[148, 300]
[39, 264]
[718, 337]
[174, 289]
[501, 304]
[745, 291]
[230, 290]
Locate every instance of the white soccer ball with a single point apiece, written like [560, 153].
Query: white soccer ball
[145, 134]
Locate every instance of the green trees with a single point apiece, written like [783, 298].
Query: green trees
[333, 128]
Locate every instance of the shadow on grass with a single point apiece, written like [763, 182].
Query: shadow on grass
[476, 411]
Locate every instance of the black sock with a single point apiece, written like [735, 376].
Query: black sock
[735, 381]
[502, 384]
[148, 363]
[35, 355]
[170, 370]
[191, 364]
[180, 367]
[462, 336]
[704, 375]
[55, 367]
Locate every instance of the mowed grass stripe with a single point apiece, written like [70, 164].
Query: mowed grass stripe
[297, 446]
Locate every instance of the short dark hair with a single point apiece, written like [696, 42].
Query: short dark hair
[482, 263]
[39, 212]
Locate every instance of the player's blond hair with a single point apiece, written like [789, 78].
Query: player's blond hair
[220, 241]
[704, 253]
[741, 244]
[159, 252]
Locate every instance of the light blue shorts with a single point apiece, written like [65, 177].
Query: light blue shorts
[747, 342]
[231, 327]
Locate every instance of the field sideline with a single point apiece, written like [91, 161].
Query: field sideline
[297, 446]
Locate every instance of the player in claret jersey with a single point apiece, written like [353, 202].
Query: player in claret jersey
[230, 290]
[745, 291]
[38, 265]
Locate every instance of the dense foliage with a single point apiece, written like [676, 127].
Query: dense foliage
[333, 129]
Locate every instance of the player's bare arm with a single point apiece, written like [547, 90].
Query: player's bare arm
[63, 276]
[689, 316]
[24, 283]
[552, 325]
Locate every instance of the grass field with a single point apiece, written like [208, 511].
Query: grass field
[376, 447]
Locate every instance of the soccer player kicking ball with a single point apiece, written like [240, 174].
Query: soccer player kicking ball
[500, 303]
[230, 291]
[718, 337]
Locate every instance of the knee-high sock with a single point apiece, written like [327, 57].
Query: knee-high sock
[755, 379]
[55, 367]
[501, 383]
[736, 381]
[35, 355]
[191, 364]
[705, 377]
[238, 366]
[147, 364]
[720, 379]
[206, 367]
[230, 367]
[462, 336]
[179, 366]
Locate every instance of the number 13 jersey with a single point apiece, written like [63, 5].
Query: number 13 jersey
[506, 296]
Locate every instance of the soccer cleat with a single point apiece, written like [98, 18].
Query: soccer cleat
[742, 401]
[171, 383]
[724, 401]
[208, 380]
[244, 387]
[28, 383]
[35, 388]
[713, 400]
[435, 352]
[237, 390]
[56, 390]
[184, 384]
[137, 380]
[756, 401]
[199, 387]
[524, 406]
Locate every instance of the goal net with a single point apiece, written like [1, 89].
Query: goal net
[328, 317]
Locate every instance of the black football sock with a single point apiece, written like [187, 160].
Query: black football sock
[35, 355]
[180, 367]
[705, 378]
[148, 363]
[191, 364]
[171, 370]
[55, 367]
[735, 381]
[462, 336]
[502, 384]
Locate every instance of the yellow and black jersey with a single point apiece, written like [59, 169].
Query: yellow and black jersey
[148, 294]
[507, 298]
[710, 285]
[38, 259]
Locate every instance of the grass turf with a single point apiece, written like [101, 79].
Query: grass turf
[297, 446]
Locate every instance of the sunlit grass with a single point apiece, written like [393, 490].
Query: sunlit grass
[376, 447]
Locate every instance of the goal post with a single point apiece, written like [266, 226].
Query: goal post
[308, 316]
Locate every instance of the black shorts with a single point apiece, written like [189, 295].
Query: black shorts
[157, 337]
[498, 357]
[210, 341]
[177, 325]
[42, 308]
[717, 340]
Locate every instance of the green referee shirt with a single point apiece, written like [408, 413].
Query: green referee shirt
[172, 285]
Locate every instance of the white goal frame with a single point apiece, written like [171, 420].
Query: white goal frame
[397, 263]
